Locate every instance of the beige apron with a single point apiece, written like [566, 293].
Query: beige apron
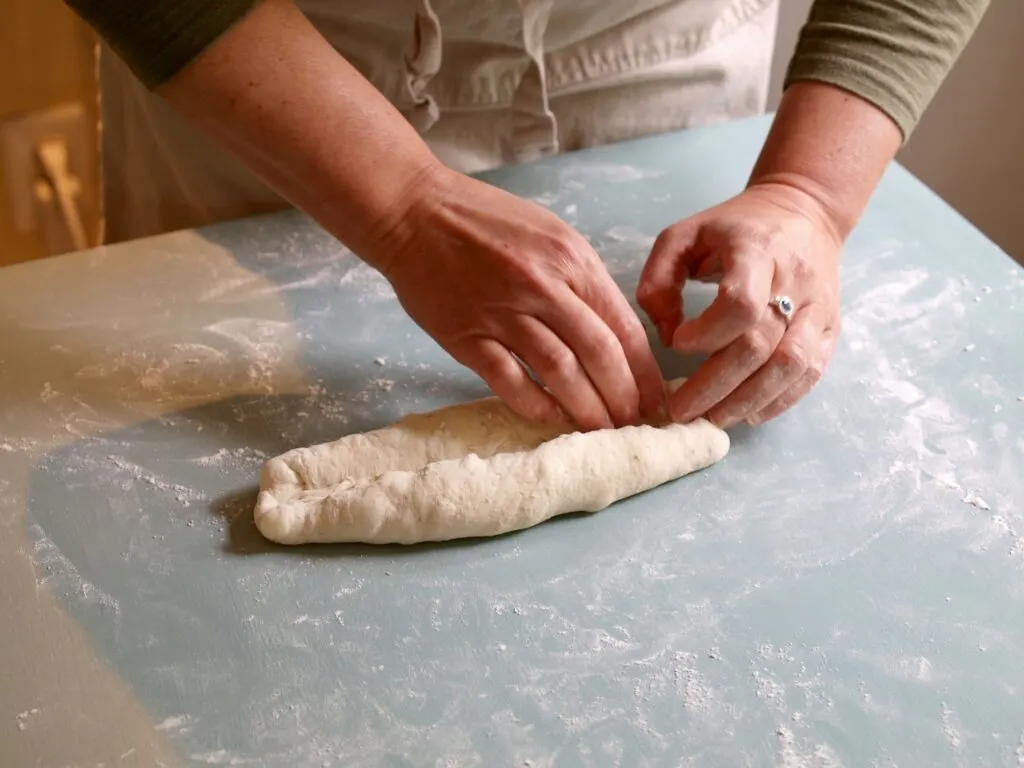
[486, 82]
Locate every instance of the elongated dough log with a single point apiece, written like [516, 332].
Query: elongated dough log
[474, 469]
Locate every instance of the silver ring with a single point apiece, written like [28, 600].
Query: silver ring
[784, 306]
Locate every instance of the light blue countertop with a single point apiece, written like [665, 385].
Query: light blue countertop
[845, 589]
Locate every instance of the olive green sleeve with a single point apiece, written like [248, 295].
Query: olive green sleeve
[892, 53]
[158, 38]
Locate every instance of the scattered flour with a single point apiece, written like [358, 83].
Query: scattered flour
[175, 723]
[183, 494]
[242, 353]
[237, 458]
[371, 285]
[948, 729]
[919, 668]
[792, 756]
[23, 718]
[975, 500]
[930, 436]
[221, 757]
[52, 562]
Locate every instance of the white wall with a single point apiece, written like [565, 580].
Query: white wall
[969, 147]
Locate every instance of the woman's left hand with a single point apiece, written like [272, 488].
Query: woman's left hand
[771, 240]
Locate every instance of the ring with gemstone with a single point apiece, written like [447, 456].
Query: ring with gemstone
[784, 306]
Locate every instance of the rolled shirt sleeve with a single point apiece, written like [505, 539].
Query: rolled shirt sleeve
[159, 38]
[892, 53]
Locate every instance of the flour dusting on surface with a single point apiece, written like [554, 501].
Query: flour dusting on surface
[173, 723]
[930, 437]
[24, 719]
[817, 620]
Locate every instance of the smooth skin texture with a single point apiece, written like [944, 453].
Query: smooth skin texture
[504, 285]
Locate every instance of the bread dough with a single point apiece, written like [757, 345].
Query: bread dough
[468, 470]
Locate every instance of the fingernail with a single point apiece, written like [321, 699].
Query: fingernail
[680, 417]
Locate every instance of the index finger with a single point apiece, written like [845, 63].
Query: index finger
[626, 325]
[659, 291]
[744, 293]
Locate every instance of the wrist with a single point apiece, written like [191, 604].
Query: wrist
[382, 220]
[412, 211]
[803, 197]
[828, 146]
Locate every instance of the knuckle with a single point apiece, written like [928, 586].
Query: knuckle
[814, 373]
[656, 301]
[634, 341]
[534, 273]
[739, 301]
[576, 264]
[759, 242]
[556, 362]
[467, 351]
[663, 242]
[603, 347]
[754, 240]
[801, 270]
[561, 249]
[792, 358]
[646, 293]
[756, 347]
[494, 369]
[566, 248]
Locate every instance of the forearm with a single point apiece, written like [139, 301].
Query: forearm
[276, 94]
[830, 145]
[862, 75]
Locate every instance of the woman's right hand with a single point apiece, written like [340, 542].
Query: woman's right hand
[506, 287]
[491, 277]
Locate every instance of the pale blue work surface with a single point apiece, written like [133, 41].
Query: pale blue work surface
[844, 589]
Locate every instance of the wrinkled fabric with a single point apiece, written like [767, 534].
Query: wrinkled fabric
[485, 82]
